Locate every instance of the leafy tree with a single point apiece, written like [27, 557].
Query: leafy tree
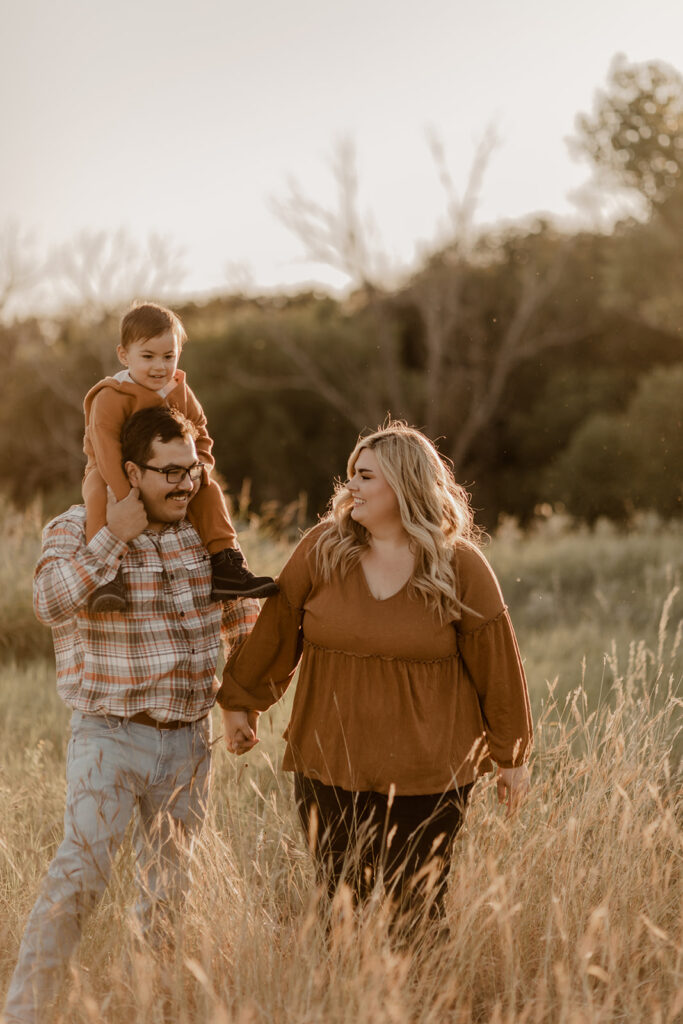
[655, 420]
[615, 464]
[635, 140]
[594, 476]
[527, 351]
[448, 341]
[269, 424]
[635, 135]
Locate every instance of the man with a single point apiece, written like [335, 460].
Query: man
[141, 684]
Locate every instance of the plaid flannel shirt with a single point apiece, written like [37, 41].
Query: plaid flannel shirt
[158, 656]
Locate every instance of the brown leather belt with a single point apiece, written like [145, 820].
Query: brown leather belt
[142, 718]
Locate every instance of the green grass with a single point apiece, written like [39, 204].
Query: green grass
[577, 596]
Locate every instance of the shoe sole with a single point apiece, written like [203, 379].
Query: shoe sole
[220, 595]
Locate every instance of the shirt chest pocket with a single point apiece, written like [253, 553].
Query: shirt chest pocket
[143, 579]
[190, 566]
[191, 571]
[195, 561]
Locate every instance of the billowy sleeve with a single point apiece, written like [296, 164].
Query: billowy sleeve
[260, 671]
[489, 650]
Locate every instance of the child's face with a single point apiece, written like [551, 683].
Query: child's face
[151, 361]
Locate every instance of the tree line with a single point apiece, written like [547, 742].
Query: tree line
[548, 363]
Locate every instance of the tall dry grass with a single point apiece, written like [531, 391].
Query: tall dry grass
[569, 913]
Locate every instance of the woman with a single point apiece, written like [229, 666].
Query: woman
[410, 680]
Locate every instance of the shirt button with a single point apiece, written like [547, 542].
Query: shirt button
[182, 615]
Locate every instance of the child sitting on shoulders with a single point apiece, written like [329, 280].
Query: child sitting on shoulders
[151, 341]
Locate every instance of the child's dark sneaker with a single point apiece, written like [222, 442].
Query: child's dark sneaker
[110, 597]
[232, 578]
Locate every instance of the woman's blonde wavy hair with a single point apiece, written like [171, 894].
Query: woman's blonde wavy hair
[435, 512]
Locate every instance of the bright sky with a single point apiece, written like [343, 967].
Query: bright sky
[186, 117]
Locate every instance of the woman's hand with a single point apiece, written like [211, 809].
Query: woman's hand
[239, 730]
[513, 786]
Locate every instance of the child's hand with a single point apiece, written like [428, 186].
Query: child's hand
[127, 518]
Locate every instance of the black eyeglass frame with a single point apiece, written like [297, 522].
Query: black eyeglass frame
[194, 472]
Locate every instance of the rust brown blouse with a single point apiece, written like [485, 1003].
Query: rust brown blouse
[386, 695]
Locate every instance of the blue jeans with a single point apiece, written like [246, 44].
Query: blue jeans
[115, 769]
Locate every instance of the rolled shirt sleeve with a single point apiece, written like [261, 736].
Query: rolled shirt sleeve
[69, 570]
[237, 621]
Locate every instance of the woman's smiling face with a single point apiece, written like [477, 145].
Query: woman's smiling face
[375, 504]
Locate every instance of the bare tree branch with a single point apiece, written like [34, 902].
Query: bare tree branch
[438, 291]
[475, 379]
[518, 343]
[337, 237]
[20, 267]
[318, 382]
[461, 211]
[100, 271]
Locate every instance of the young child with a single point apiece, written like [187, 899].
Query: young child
[151, 340]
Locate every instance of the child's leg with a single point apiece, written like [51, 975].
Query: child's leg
[95, 498]
[208, 514]
[111, 596]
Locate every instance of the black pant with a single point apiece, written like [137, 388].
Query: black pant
[358, 837]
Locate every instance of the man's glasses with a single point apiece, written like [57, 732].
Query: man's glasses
[176, 474]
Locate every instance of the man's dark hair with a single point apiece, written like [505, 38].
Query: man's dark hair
[144, 427]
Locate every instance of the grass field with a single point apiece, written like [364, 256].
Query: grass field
[571, 913]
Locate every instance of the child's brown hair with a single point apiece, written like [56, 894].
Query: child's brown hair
[148, 320]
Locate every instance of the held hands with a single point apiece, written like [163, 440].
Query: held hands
[239, 729]
[513, 786]
[127, 518]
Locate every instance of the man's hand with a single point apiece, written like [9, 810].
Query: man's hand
[127, 518]
[239, 729]
[513, 786]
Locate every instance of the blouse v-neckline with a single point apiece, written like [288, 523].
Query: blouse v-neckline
[368, 588]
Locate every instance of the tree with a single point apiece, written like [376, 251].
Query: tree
[444, 345]
[20, 270]
[268, 424]
[635, 140]
[99, 272]
[635, 135]
[53, 360]
[485, 317]
[594, 476]
[655, 420]
[615, 464]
